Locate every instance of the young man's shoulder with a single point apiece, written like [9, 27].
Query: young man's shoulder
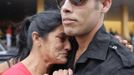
[122, 58]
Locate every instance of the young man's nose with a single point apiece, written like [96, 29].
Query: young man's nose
[66, 7]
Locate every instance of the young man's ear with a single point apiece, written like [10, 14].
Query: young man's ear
[106, 5]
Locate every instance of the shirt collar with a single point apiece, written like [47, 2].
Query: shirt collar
[98, 47]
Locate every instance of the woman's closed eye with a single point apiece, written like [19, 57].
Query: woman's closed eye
[62, 37]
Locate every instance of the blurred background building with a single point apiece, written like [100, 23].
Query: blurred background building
[118, 21]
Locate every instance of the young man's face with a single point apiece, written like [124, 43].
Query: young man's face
[79, 19]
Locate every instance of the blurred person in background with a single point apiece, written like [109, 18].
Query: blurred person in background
[1, 34]
[132, 40]
[9, 32]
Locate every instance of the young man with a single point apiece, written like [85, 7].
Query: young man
[99, 53]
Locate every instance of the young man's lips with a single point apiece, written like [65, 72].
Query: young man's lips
[68, 21]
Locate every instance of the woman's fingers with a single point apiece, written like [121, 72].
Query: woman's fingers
[125, 42]
[70, 71]
[129, 46]
[63, 72]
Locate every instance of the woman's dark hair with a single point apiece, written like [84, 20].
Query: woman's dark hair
[42, 23]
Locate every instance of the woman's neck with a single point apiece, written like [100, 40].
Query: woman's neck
[35, 64]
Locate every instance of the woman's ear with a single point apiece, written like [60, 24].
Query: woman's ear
[106, 5]
[36, 38]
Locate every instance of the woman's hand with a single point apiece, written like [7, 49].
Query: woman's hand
[125, 42]
[63, 72]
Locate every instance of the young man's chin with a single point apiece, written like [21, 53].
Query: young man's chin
[69, 31]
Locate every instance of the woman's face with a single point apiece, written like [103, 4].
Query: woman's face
[55, 46]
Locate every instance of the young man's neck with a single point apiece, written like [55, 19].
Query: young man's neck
[35, 64]
[85, 40]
